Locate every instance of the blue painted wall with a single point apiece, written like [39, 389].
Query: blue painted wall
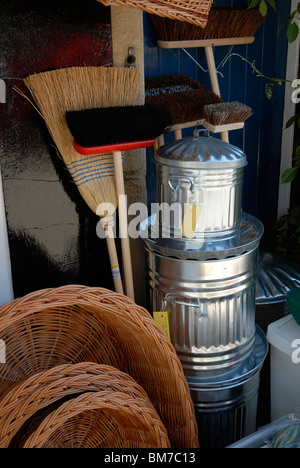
[261, 137]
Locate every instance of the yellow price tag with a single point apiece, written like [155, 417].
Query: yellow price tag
[190, 220]
[116, 271]
[162, 318]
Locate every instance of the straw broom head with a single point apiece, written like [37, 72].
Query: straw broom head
[78, 88]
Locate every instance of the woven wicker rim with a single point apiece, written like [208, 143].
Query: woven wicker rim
[160, 373]
[119, 405]
[24, 399]
[190, 11]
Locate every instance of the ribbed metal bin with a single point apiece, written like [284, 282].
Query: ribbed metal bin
[212, 309]
[227, 411]
[205, 172]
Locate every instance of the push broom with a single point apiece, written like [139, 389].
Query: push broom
[76, 88]
[116, 129]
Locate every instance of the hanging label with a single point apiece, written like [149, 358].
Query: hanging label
[116, 271]
[162, 318]
[190, 220]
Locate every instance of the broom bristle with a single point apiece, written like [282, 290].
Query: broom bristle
[160, 85]
[76, 88]
[185, 107]
[226, 113]
[222, 23]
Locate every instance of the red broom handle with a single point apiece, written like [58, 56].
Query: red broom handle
[92, 150]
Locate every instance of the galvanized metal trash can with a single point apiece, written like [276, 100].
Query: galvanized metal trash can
[202, 171]
[211, 306]
[226, 411]
[210, 297]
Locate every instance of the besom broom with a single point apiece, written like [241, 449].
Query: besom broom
[78, 88]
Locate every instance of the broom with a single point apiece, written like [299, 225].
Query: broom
[233, 114]
[222, 23]
[182, 97]
[116, 129]
[76, 88]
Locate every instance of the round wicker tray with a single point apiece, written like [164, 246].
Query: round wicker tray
[112, 420]
[21, 408]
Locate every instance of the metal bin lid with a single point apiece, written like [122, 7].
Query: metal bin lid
[200, 152]
[276, 276]
[244, 239]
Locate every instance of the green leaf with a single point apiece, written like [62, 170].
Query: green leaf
[297, 153]
[263, 8]
[269, 90]
[284, 24]
[291, 121]
[297, 143]
[292, 15]
[289, 175]
[292, 32]
[272, 3]
[253, 3]
[280, 224]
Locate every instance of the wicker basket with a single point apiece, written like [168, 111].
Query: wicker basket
[190, 11]
[21, 408]
[74, 324]
[111, 420]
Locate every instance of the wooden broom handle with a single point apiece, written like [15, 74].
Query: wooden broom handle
[123, 225]
[114, 262]
[178, 134]
[214, 80]
[108, 224]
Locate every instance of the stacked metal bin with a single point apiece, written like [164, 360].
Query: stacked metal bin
[206, 281]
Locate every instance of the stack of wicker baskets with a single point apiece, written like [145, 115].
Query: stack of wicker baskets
[86, 367]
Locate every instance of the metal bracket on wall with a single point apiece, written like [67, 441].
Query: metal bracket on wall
[131, 59]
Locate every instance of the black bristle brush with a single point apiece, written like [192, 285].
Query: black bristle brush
[185, 107]
[169, 84]
[113, 130]
[102, 128]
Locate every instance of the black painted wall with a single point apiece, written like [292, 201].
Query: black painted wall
[52, 233]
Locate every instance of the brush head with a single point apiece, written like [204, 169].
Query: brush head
[226, 113]
[106, 126]
[169, 84]
[223, 22]
[185, 107]
[57, 91]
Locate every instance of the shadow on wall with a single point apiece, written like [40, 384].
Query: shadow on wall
[52, 232]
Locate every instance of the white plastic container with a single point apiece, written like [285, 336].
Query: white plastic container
[284, 339]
